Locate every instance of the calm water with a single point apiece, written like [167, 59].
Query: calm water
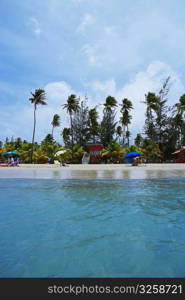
[92, 228]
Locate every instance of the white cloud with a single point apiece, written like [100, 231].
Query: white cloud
[79, 1]
[87, 21]
[90, 52]
[110, 30]
[36, 26]
[21, 115]
[150, 79]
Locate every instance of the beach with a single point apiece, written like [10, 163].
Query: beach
[94, 171]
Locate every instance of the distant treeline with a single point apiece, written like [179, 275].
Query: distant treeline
[163, 132]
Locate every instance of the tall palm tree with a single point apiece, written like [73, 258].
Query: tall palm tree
[38, 98]
[125, 119]
[72, 106]
[66, 133]
[110, 104]
[55, 122]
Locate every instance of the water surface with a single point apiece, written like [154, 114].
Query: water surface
[92, 228]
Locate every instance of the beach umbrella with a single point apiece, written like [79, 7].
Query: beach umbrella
[132, 154]
[60, 152]
[11, 154]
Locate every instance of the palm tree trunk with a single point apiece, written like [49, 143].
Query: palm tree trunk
[52, 131]
[33, 138]
[128, 137]
[72, 138]
[124, 134]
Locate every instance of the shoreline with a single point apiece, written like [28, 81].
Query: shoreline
[101, 171]
[98, 166]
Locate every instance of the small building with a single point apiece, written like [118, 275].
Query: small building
[179, 155]
[95, 152]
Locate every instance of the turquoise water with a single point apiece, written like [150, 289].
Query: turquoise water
[92, 228]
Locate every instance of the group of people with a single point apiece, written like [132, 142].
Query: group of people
[12, 162]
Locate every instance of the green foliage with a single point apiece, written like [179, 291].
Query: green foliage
[49, 146]
[66, 135]
[138, 140]
[152, 151]
[40, 156]
[125, 119]
[78, 152]
[55, 122]
[113, 153]
[134, 148]
[80, 124]
[164, 129]
[110, 104]
[72, 106]
[107, 128]
[93, 125]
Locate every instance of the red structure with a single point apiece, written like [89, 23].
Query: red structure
[95, 152]
[180, 155]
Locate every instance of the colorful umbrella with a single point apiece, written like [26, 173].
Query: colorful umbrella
[132, 154]
[11, 154]
[60, 152]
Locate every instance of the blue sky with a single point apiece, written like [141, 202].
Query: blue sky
[121, 48]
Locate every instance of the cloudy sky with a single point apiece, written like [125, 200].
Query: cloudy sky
[96, 48]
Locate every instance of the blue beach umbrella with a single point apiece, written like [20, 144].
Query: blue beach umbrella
[11, 154]
[132, 154]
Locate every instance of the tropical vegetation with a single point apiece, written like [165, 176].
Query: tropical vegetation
[163, 132]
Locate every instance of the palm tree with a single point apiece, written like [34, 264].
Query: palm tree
[38, 98]
[138, 140]
[66, 133]
[55, 122]
[119, 131]
[110, 103]
[108, 124]
[125, 119]
[128, 134]
[72, 106]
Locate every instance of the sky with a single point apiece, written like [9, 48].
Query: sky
[95, 48]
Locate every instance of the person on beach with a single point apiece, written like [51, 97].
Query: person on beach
[135, 161]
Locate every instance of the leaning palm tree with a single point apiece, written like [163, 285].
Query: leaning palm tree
[38, 98]
[125, 119]
[110, 104]
[72, 106]
[55, 122]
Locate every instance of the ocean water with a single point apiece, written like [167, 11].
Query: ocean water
[92, 228]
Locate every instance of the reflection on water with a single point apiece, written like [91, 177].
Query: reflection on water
[132, 173]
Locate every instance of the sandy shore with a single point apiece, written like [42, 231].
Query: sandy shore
[101, 171]
[79, 167]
